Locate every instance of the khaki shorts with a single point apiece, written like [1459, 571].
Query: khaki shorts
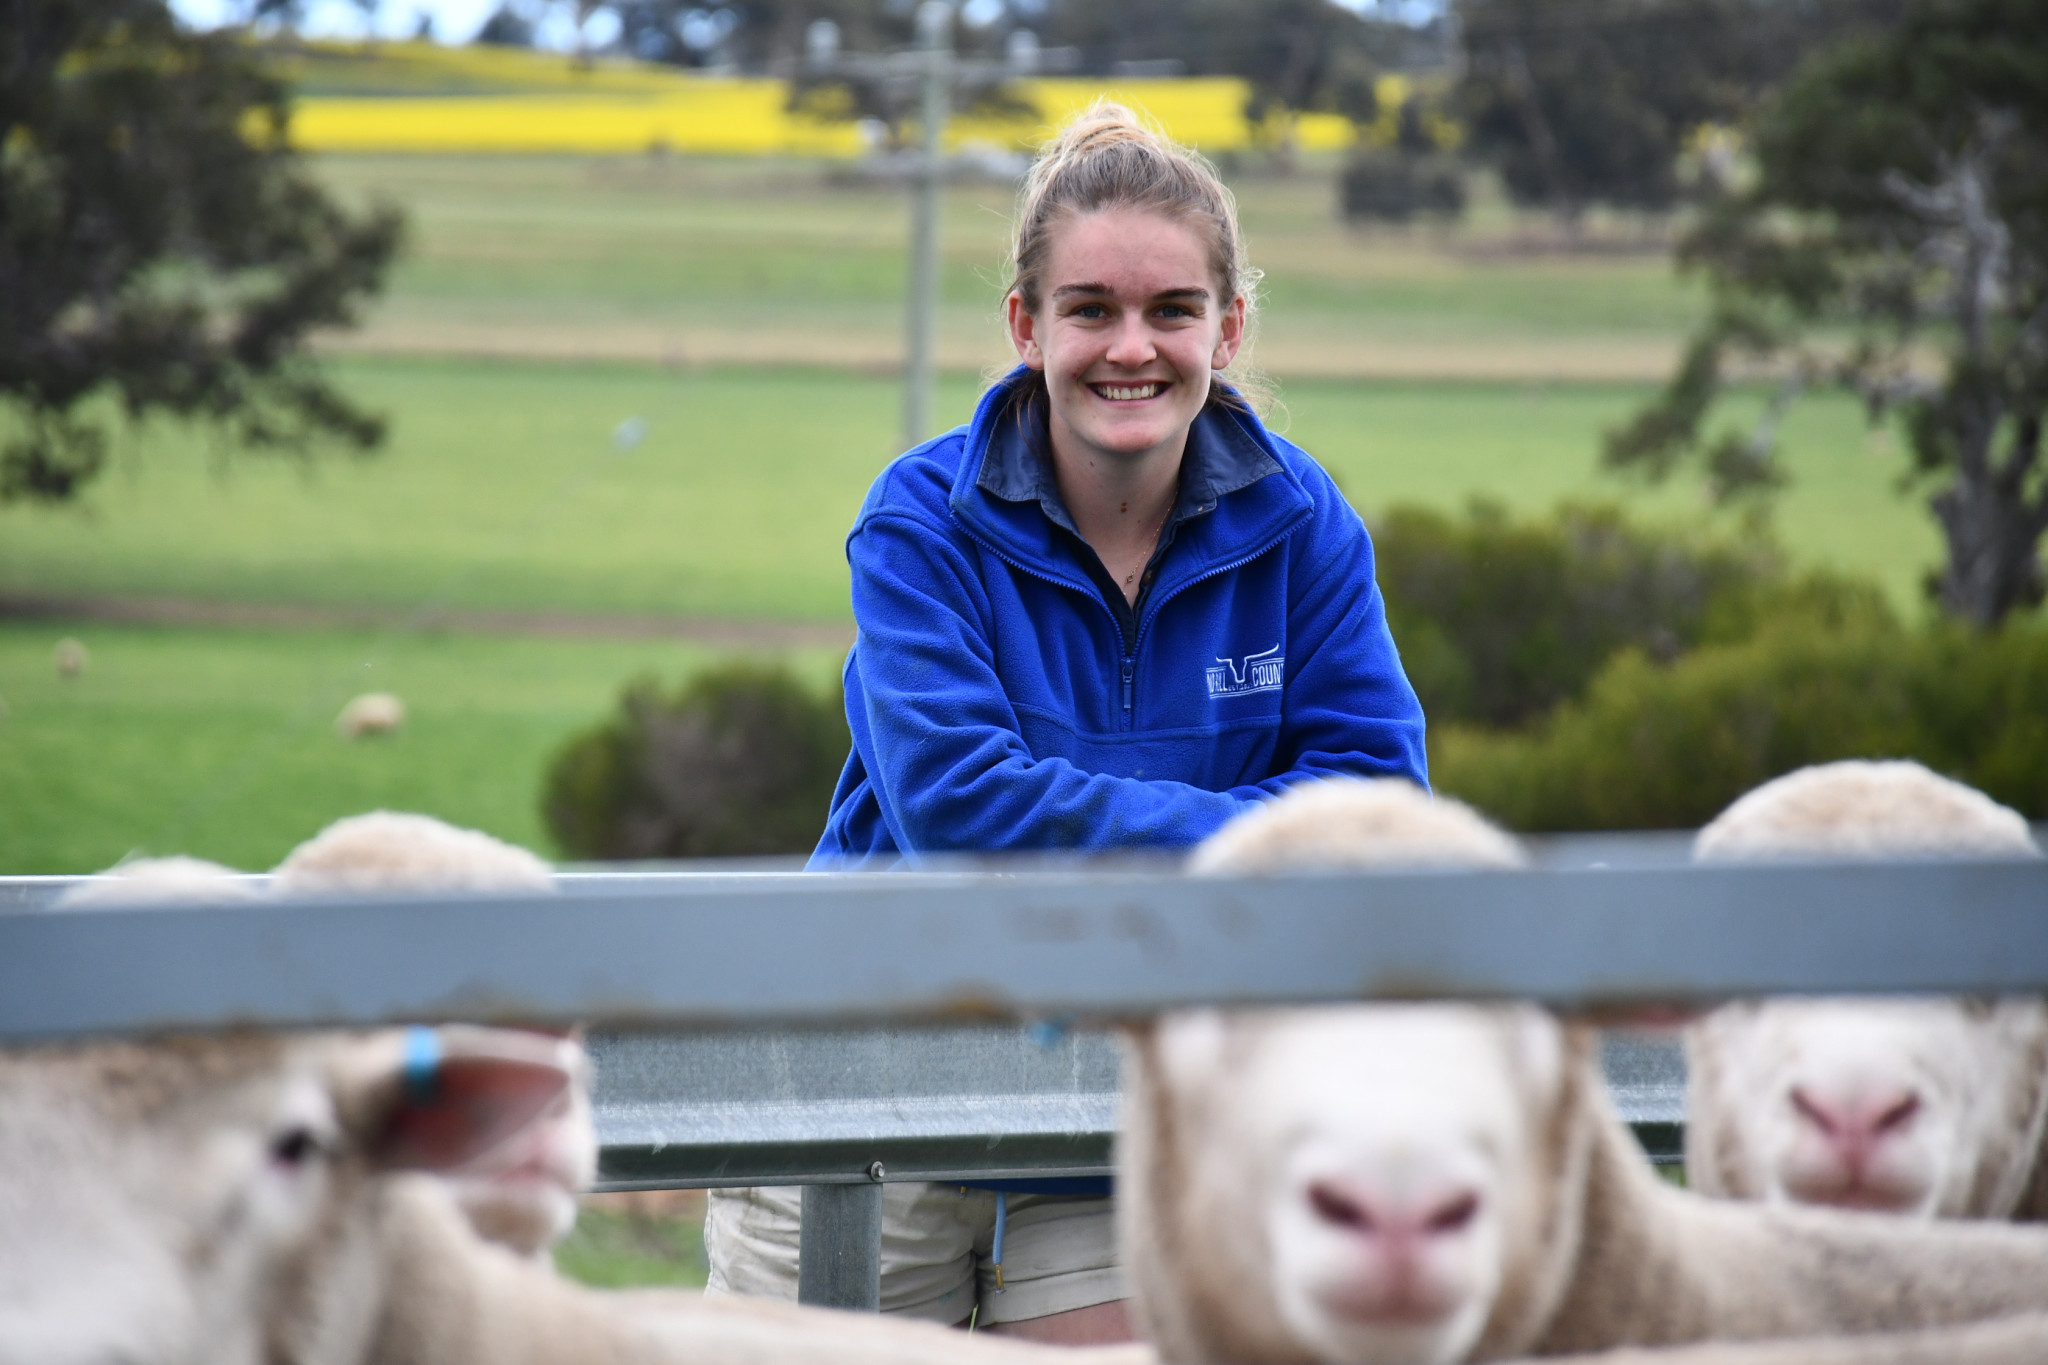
[1059, 1252]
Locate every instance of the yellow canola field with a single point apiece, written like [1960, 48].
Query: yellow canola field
[750, 117]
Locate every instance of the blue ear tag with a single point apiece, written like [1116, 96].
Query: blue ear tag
[422, 1062]
[1002, 1221]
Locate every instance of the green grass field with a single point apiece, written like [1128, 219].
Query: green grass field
[219, 743]
[501, 488]
[748, 313]
[733, 261]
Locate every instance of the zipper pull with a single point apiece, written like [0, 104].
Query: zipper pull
[1129, 666]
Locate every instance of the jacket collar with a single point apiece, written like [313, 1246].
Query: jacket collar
[1239, 495]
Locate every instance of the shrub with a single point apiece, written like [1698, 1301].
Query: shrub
[1500, 620]
[1397, 187]
[1667, 746]
[740, 762]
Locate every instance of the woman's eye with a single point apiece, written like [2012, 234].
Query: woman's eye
[1093, 312]
[1174, 312]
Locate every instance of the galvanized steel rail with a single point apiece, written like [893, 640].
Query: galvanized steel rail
[682, 973]
[795, 950]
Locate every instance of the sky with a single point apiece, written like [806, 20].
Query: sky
[456, 21]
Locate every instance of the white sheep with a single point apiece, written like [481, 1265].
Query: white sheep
[373, 713]
[1424, 1184]
[1932, 1107]
[523, 1193]
[159, 881]
[252, 1200]
[389, 851]
[71, 658]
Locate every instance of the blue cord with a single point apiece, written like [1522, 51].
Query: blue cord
[1002, 1218]
[422, 1062]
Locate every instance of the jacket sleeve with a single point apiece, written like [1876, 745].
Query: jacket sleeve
[946, 754]
[1349, 709]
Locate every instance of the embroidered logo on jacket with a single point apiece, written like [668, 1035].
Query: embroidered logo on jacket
[1261, 672]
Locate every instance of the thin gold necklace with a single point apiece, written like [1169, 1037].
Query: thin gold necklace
[1151, 545]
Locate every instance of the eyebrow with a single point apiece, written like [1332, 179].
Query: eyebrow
[1091, 287]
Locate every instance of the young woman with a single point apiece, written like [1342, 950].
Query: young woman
[1112, 611]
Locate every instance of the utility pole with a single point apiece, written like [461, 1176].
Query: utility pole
[933, 71]
[935, 48]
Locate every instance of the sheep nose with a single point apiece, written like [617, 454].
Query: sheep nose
[1353, 1209]
[1855, 1125]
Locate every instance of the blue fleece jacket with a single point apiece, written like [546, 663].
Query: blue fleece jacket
[1003, 696]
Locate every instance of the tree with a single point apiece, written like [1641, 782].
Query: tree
[1901, 196]
[1296, 55]
[1590, 101]
[160, 243]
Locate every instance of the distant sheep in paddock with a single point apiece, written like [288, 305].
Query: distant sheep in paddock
[373, 713]
[522, 1194]
[1425, 1184]
[1922, 1106]
[71, 658]
[261, 1201]
[147, 881]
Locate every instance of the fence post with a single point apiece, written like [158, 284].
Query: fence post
[839, 1247]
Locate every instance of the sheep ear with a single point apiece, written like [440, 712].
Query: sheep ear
[435, 1099]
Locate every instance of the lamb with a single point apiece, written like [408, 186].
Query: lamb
[522, 1193]
[1930, 1107]
[159, 881]
[1423, 1184]
[268, 1198]
[373, 713]
[71, 658]
[388, 851]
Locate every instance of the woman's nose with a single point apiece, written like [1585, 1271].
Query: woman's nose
[1131, 346]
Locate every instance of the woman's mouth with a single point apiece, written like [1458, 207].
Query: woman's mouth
[1128, 393]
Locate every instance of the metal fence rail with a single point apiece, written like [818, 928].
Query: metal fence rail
[724, 1000]
[966, 1103]
[838, 948]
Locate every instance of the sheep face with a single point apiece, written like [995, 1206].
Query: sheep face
[157, 1198]
[1386, 1157]
[523, 1193]
[218, 1200]
[1894, 1105]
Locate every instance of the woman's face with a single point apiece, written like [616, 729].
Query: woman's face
[1128, 331]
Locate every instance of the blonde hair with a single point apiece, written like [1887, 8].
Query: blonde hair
[1107, 157]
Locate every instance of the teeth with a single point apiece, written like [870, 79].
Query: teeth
[1125, 395]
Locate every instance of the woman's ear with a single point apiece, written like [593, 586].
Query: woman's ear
[1232, 335]
[1023, 331]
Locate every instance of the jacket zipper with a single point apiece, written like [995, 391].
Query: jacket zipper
[1088, 590]
[1202, 577]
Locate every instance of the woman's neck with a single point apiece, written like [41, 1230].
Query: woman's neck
[1119, 502]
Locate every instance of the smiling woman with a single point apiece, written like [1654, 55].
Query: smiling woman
[1112, 611]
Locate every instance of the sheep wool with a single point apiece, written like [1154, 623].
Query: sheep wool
[391, 851]
[1427, 1184]
[301, 1165]
[159, 881]
[373, 713]
[1930, 1107]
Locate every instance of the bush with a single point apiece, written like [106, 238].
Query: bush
[741, 762]
[1670, 746]
[1397, 187]
[1498, 620]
